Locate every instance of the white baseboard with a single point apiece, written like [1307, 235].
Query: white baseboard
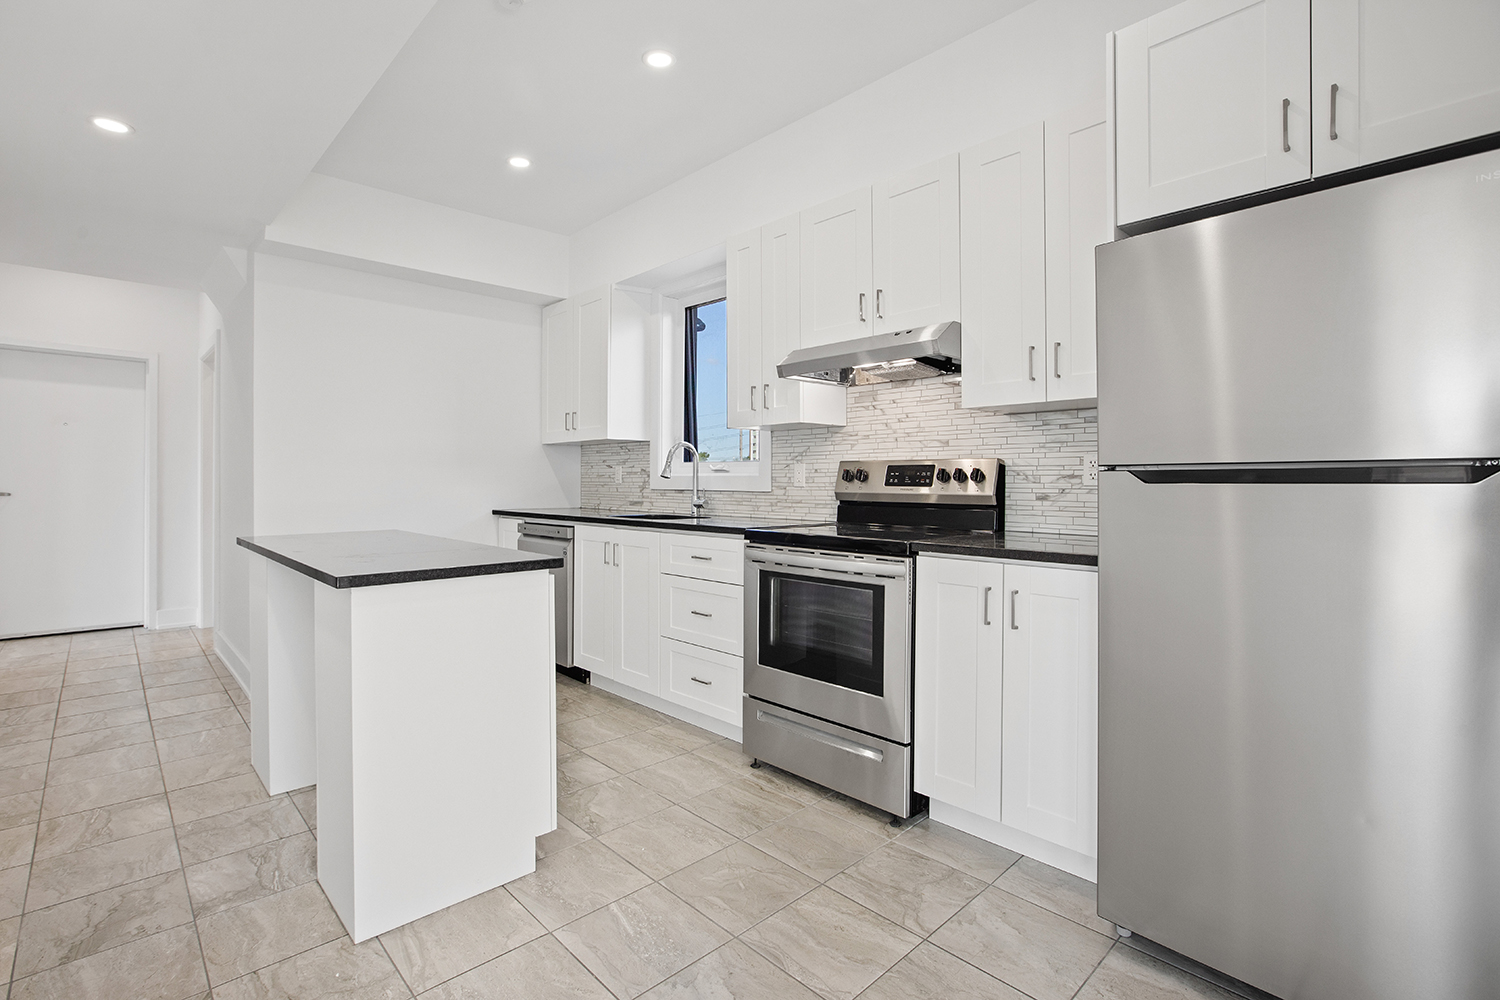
[718, 726]
[233, 660]
[1012, 839]
[176, 618]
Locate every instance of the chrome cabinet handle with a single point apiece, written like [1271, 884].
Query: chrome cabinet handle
[879, 309]
[765, 396]
[1056, 362]
[1013, 624]
[606, 553]
[752, 397]
[1286, 140]
[702, 558]
[567, 421]
[1333, 113]
[575, 420]
[1031, 362]
[861, 307]
[700, 680]
[701, 614]
[4, 494]
[987, 604]
[617, 553]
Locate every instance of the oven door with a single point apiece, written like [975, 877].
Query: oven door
[829, 634]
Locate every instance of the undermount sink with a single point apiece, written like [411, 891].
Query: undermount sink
[661, 517]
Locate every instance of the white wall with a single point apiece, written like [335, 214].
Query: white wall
[235, 373]
[1046, 57]
[382, 403]
[56, 307]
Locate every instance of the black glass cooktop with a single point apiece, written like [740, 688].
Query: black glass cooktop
[875, 539]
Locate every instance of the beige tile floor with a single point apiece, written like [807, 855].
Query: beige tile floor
[141, 858]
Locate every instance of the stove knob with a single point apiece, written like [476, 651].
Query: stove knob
[847, 476]
[977, 475]
[959, 476]
[943, 476]
[861, 475]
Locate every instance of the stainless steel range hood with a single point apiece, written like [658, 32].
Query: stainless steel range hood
[888, 357]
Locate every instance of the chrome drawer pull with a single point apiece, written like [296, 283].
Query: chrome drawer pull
[701, 614]
[1013, 623]
[700, 680]
[702, 558]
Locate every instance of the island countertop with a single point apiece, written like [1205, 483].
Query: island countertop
[726, 524]
[343, 559]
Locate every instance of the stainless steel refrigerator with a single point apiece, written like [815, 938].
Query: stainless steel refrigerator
[1299, 561]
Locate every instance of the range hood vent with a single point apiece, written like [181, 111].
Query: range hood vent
[924, 352]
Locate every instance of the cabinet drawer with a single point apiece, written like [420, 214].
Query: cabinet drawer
[703, 612]
[702, 679]
[704, 557]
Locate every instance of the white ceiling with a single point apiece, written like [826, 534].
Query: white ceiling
[562, 82]
[233, 103]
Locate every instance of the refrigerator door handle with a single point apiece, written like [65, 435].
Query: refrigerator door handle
[1416, 473]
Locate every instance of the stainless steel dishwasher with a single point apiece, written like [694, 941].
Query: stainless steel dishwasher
[549, 538]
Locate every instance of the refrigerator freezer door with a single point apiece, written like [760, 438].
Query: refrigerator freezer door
[1300, 731]
[1360, 323]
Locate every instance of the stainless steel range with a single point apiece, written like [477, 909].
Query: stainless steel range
[828, 623]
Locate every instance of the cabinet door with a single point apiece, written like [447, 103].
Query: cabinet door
[593, 365]
[559, 372]
[593, 598]
[914, 217]
[1004, 270]
[1410, 76]
[788, 401]
[1051, 719]
[636, 559]
[1077, 222]
[958, 683]
[836, 270]
[1199, 92]
[745, 329]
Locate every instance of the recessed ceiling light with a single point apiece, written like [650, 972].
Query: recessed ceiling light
[658, 58]
[111, 125]
[519, 162]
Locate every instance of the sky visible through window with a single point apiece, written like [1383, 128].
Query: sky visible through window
[721, 443]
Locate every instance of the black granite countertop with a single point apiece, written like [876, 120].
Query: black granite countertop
[659, 520]
[343, 559]
[1077, 550]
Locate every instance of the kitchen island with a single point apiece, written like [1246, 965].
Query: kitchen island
[410, 677]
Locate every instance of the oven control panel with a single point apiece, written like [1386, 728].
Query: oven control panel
[950, 480]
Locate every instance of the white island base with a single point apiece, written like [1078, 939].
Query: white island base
[435, 733]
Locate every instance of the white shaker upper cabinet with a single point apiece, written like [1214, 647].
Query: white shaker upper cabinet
[1004, 311]
[1212, 101]
[1077, 147]
[916, 243]
[836, 295]
[559, 372]
[1397, 76]
[1050, 695]
[742, 294]
[593, 311]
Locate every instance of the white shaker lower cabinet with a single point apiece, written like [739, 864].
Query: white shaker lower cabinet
[1007, 704]
[614, 623]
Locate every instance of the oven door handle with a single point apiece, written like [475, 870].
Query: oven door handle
[852, 567]
[828, 739]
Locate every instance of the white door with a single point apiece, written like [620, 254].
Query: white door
[958, 682]
[1409, 76]
[559, 371]
[1077, 222]
[73, 459]
[593, 365]
[915, 237]
[790, 401]
[1212, 99]
[1004, 312]
[1051, 720]
[836, 270]
[594, 602]
[636, 556]
[742, 304]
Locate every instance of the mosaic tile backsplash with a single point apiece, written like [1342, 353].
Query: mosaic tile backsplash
[1045, 455]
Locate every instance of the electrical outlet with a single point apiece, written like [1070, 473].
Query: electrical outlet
[1091, 469]
[799, 474]
[619, 474]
